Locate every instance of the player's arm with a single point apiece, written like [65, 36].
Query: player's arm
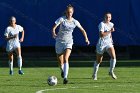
[85, 34]
[103, 34]
[10, 37]
[57, 23]
[22, 36]
[53, 31]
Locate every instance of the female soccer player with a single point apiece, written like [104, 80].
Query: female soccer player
[64, 39]
[13, 43]
[105, 43]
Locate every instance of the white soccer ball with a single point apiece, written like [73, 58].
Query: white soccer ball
[52, 80]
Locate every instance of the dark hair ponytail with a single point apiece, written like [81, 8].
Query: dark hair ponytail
[107, 13]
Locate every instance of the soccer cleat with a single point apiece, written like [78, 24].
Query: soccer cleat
[94, 77]
[11, 72]
[62, 74]
[65, 81]
[113, 75]
[20, 72]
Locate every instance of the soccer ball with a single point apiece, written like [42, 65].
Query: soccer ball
[52, 80]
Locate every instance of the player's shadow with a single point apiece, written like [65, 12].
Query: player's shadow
[70, 82]
[81, 80]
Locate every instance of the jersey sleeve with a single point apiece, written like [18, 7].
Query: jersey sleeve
[20, 28]
[112, 25]
[59, 21]
[77, 24]
[101, 27]
[6, 32]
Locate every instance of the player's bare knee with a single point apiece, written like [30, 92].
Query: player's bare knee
[66, 60]
[10, 58]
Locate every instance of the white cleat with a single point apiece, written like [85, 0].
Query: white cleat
[113, 75]
[94, 77]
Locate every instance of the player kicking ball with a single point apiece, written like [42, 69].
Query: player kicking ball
[13, 44]
[64, 39]
[105, 43]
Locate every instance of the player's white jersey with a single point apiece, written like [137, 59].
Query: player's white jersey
[66, 29]
[104, 28]
[13, 43]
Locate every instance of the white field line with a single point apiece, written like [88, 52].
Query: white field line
[41, 91]
[54, 89]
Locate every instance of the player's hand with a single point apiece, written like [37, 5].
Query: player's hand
[87, 41]
[112, 29]
[21, 40]
[15, 36]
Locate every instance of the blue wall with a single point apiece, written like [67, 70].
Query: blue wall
[38, 16]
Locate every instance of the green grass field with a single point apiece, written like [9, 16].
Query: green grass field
[80, 81]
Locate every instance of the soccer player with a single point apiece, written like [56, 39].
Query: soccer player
[105, 43]
[64, 39]
[13, 44]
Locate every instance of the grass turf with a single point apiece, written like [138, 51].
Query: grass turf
[80, 81]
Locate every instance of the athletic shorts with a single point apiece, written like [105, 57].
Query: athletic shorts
[12, 47]
[61, 47]
[102, 49]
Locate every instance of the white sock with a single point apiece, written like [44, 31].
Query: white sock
[96, 67]
[19, 59]
[62, 67]
[11, 65]
[112, 64]
[66, 69]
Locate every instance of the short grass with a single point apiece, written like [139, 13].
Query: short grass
[80, 81]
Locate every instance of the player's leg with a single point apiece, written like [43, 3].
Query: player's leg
[112, 54]
[61, 63]
[10, 57]
[99, 58]
[59, 48]
[66, 64]
[19, 59]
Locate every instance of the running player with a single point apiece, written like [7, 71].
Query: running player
[105, 43]
[64, 39]
[13, 43]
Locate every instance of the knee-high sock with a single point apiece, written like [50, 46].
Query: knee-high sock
[11, 65]
[62, 67]
[66, 69]
[19, 59]
[112, 64]
[96, 67]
